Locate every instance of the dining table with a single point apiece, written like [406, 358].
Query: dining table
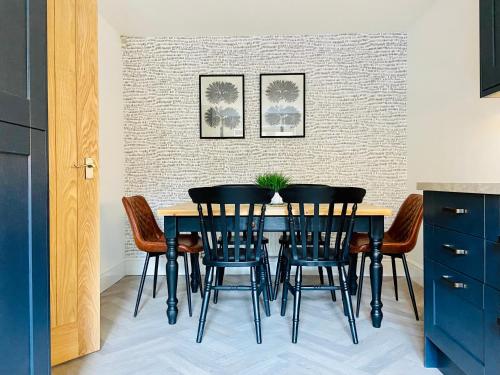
[183, 217]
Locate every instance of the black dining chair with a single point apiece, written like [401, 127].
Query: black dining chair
[219, 272]
[284, 242]
[305, 215]
[230, 210]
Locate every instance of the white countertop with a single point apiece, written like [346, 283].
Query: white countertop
[473, 188]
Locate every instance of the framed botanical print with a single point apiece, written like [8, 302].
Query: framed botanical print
[282, 105]
[222, 100]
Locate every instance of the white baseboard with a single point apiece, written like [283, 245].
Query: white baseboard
[416, 272]
[112, 275]
[134, 266]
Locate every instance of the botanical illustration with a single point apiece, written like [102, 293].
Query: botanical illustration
[282, 105]
[221, 106]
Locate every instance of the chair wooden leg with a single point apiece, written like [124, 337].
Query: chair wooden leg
[284, 296]
[219, 278]
[277, 277]
[264, 288]
[321, 278]
[360, 286]
[394, 276]
[296, 304]
[269, 283]
[188, 284]
[204, 306]
[331, 282]
[344, 303]
[348, 302]
[195, 279]
[155, 277]
[141, 284]
[351, 275]
[255, 301]
[195, 265]
[410, 286]
[283, 263]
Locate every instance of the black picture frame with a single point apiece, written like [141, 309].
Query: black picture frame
[303, 123]
[200, 99]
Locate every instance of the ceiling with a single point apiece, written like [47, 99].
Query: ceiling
[260, 17]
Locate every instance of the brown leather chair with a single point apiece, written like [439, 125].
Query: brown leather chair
[149, 238]
[400, 239]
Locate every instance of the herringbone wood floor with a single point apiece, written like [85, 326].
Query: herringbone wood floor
[148, 345]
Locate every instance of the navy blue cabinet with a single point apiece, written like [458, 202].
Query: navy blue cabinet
[492, 330]
[490, 46]
[455, 322]
[462, 282]
[24, 243]
[492, 266]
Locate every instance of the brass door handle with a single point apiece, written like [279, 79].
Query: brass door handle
[89, 165]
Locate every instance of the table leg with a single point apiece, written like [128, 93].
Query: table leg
[376, 269]
[172, 268]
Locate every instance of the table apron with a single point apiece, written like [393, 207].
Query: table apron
[179, 224]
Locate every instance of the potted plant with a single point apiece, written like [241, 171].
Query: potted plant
[274, 181]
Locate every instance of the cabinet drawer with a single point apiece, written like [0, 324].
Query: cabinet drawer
[461, 252]
[454, 316]
[492, 217]
[492, 331]
[461, 212]
[492, 255]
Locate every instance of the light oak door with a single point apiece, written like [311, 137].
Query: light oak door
[74, 206]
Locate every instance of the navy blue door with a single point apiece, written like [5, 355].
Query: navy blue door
[24, 254]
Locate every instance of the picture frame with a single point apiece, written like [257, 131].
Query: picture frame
[282, 105]
[222, 106]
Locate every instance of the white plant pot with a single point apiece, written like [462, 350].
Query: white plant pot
[277, 199]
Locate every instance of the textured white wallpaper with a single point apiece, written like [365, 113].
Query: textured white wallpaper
[355, 114]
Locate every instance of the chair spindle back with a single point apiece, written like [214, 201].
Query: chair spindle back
[229, 210]
[311, 212]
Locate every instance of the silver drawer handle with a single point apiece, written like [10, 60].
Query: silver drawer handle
[456, 211]
[454, 250]
[454, 284]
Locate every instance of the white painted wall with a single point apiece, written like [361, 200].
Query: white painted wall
[260, 17]
[112, 158]
[453, 135]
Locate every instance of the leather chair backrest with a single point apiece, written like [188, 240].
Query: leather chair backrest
[142, 221]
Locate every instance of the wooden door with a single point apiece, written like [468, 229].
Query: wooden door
[24, 255]
[74, 214]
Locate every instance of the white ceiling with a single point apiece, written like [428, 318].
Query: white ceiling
[258, 17]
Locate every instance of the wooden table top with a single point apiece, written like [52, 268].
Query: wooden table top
[190, 209]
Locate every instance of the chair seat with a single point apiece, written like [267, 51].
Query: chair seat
[187, 243]
[220, 262]
[265, 240]
[285, 239]
[360, 243]
[402, 235]
[331, 260]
